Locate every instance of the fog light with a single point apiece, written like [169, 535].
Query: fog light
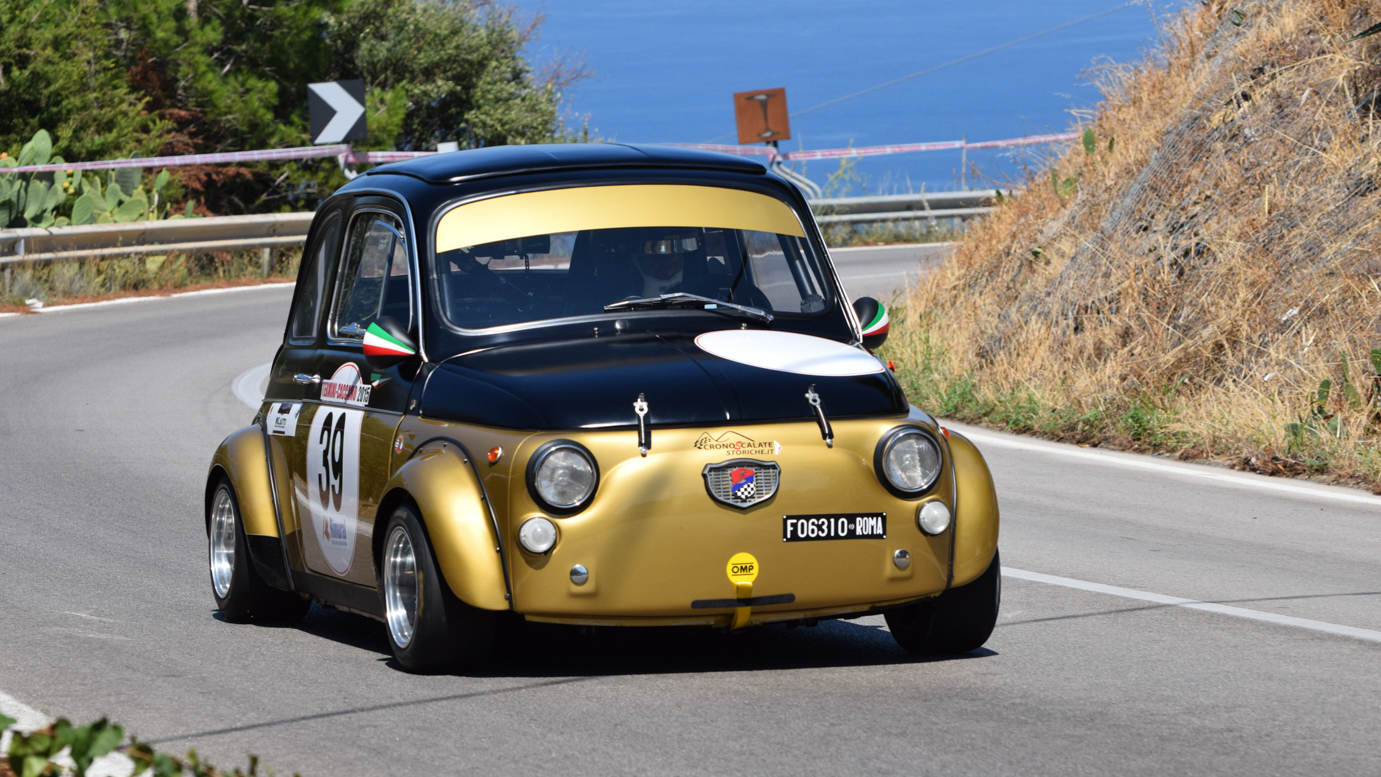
[579, 574]
[902, 559]
[934, 517]
[537, 535]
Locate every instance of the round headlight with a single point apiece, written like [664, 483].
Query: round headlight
[537, 535]
[908, 460]
[562, 477]
[933, 517]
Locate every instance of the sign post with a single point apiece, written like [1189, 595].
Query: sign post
[336, 109]
[762, 116]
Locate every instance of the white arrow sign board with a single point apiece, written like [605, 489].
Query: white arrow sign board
[336, 109]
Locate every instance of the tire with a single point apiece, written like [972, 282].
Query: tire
[429, 629]
[957, 621]
[240, 593]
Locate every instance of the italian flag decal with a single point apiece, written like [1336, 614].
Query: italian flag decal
[878, 326]
[377, 342]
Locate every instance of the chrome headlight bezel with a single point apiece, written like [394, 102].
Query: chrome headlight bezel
[888, 443]
[540, 457]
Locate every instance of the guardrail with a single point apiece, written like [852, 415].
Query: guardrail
[277, 230]
[919, 206]
[200, 235]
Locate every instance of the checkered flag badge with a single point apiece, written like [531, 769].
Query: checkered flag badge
[746, 491]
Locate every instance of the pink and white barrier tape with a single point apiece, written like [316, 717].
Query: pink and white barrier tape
[836, 153]
[345, 153]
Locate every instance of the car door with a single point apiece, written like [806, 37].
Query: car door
[290, 383]
[349, 436]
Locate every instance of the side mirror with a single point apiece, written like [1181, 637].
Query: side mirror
[386, 343]
[872, 316]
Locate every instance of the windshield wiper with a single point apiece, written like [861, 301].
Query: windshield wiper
[684, 300]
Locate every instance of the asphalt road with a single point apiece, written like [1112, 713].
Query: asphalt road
[885, 271]
[110, 415]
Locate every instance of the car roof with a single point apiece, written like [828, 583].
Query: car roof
[493, 161]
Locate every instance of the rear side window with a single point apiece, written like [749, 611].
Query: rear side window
[311, 279]
[375, 276]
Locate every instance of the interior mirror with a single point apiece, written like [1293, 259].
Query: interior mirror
[387, 343]
[537, 244]
[872, 316]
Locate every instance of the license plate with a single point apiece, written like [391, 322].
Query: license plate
[843, 526]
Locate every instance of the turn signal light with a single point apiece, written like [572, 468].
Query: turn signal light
[495, 453]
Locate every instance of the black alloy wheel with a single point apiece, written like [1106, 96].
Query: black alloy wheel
[240, 593]
[429, 629]
[957, 621]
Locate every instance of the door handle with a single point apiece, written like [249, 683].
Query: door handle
[303, 379]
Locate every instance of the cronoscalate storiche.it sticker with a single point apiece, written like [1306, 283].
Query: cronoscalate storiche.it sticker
[282, 418]
[346, 387]
[789, 352]
[736, 444]
[333, 483]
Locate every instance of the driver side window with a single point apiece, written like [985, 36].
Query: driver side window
[374, 277]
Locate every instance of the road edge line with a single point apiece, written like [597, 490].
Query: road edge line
[245, 387]
[1194, 604]
[1141, 461]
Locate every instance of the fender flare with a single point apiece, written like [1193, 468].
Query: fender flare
[976, 514]
[241, 459]
[440, 481]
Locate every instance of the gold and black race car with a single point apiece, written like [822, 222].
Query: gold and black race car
[591, 384]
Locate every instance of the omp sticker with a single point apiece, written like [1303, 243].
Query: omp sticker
[346, 387]
[789, 352]
[333, 483]
[736, 444]
[743, 568]
[282, 418]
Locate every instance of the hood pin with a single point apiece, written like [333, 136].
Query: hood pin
[644, 435]
[825, 430]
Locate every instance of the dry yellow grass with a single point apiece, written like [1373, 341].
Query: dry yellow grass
[1189, 284]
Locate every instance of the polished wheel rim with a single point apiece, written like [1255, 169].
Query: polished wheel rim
[400, 586]
[222, 543]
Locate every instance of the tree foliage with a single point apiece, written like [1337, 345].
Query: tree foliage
[118, 77]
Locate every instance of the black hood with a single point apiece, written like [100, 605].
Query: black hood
[592, 382]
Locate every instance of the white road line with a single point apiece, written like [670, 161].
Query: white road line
[29, 719]
[1139, 461]
[252, 384]
[1194, 604]
[893, 247]
[132, 300]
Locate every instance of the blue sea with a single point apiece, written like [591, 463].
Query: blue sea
[665, 72]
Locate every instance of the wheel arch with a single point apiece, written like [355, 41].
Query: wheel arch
[440, 484]
[976, 514]
[240, 460]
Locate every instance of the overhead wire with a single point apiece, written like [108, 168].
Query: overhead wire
[954, 62]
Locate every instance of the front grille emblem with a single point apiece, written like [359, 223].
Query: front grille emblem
[742, 483]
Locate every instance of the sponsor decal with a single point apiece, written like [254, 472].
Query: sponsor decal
[737, 444]
[377, 342]
[346, 387]
[332, 484]
[742, 483]
[742, 568]
[282, 418]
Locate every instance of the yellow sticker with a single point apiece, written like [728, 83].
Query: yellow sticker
[743, 568]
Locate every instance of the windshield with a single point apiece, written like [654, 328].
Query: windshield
[618, 249]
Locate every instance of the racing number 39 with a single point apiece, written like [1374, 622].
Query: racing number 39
[331, 440]
[333, 475]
